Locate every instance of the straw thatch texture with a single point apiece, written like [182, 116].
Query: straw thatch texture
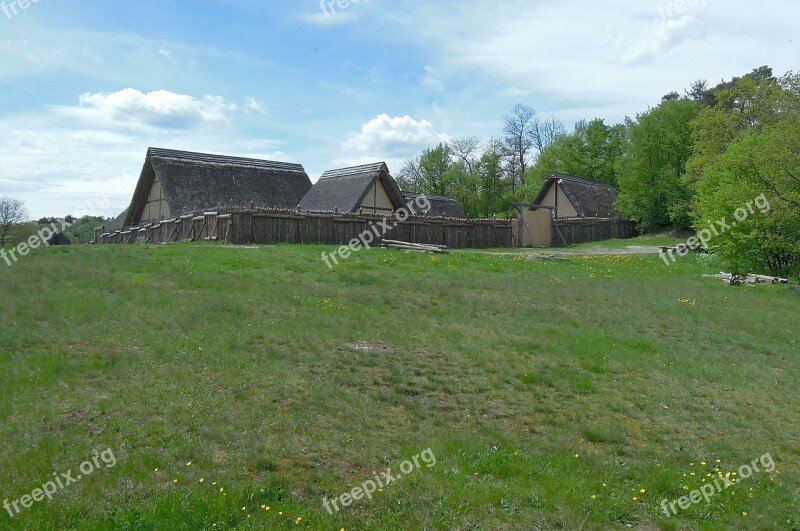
[590, 198]
[447, 207]
[196, 182]
[344, 190]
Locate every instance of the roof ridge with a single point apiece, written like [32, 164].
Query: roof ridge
[355, 170]
[583, 180]
[210, 158]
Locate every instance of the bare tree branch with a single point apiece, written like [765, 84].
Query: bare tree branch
[12, 213]
[519, 140]
[410, 177]
[545, 132]
[465, 149]
[771, 186]
[789, 173]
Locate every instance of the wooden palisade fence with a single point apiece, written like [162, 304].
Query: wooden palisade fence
[282, 226]
[579, 230]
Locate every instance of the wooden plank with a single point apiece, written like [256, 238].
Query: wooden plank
[277, 216]
[397, 242]
[431, 250]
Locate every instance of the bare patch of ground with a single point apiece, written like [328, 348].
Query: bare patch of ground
[595, 251]
[555, 252]
[372, 348]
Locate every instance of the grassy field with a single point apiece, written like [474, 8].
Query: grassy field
[667, 239]
[236, 387]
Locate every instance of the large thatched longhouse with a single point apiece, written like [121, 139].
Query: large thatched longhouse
[176, 183]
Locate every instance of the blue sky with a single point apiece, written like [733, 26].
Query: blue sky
[86, 87]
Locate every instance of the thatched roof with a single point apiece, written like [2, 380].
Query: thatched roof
[442, 207]
[345, 189]
[196, 182]
[591, 199]
[118, 223]
[57, 238]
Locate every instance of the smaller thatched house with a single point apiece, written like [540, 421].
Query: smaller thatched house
[575, 197]
[57, 238]
[176, 183]
[442, 207]
[578, 202]
[369, 189]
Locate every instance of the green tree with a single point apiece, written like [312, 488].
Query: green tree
[565, 155]
[429, 173]
[435, 164]
[590, 151]
[755, 100]
[748, 144]
[758, 164]
[455, 170]
[82, 229]
[494, 190]
[604, 145]
[463, 174]
[650, 173]
[708, 97]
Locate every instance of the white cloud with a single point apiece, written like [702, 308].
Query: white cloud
[667, 37]
[159, 109]
[54, 164]
[385, 135]
[55, 157]
[392, 140]
[584, 55]
[459, 63]
[432, 80]
[252, 104]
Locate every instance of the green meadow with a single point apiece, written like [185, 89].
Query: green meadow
[237, 387]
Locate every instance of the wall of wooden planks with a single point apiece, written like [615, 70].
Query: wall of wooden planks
[581, 230]
[268, 227]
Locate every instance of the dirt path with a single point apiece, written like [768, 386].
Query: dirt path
[592, 251]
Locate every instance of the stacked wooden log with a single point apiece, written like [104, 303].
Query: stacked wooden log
[547, 257]
[418, 247]
[685, 248]
[750, 280]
